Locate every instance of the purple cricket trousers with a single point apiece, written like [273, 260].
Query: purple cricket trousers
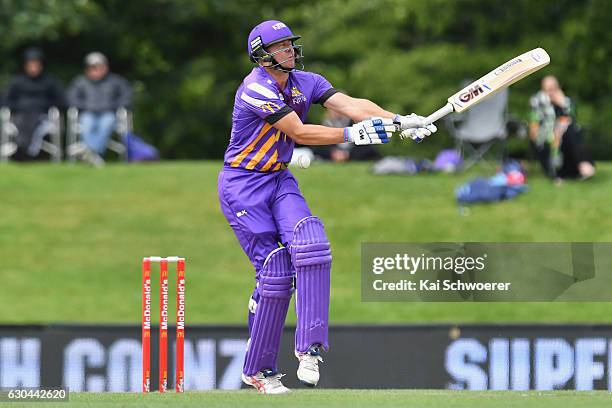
[264, 209]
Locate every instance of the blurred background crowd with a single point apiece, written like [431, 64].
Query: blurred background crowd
[175, 66]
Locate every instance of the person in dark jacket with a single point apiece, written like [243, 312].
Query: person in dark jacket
[98, 94]
[29, 97]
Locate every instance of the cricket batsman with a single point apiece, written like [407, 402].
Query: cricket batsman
[263, 204]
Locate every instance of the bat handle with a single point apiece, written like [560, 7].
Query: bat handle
[440, 113]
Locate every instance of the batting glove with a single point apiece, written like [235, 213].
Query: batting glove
[371, 131]
[418, 134]
[409, 121]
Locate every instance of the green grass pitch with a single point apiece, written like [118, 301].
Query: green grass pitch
[73, 237]
[347, 398]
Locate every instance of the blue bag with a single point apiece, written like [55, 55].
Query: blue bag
[138, 149]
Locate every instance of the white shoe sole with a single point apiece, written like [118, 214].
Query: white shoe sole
[261, 389]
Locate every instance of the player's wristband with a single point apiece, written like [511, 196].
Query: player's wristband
[347, 136]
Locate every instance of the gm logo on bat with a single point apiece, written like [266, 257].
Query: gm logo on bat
[471, 93]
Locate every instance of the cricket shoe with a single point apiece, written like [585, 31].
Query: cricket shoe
[308, 370]
[266, 382]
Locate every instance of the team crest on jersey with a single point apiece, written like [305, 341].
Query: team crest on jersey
[297, 96]
[270, 107]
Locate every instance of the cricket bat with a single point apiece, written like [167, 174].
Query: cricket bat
[501, 77]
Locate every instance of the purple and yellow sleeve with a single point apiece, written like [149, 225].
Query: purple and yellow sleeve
[264, 102]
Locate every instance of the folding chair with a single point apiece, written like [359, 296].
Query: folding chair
[123, 126]
[480, 129]
[47, 135]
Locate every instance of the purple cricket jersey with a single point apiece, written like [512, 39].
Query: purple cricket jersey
[264, 207]
[255, 144]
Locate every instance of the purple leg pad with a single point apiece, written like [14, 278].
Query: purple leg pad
[275, 287]
[311, 258]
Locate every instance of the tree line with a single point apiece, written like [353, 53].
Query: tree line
[186, 58]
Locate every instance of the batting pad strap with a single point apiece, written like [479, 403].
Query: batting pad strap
[310, 245]
[276, 277]
[275, 286]
[311, 254]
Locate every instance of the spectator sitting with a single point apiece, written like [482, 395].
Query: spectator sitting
[29, 97]
[343, 151]
[556, 138]
[97, 94]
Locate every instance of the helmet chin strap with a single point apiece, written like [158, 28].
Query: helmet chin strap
[278, 66]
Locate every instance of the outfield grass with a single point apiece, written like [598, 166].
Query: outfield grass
[347, 398]
[72, 238]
